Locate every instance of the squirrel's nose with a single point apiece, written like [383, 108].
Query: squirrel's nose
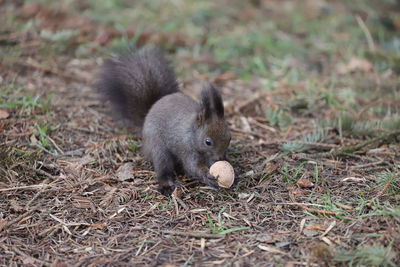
[223, 157]
[217, 158]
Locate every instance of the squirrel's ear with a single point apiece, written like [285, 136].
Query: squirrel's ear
[217, 101]
[212, 98]
[205, 107]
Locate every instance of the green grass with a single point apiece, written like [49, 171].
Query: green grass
[279, 118]
[43, 130]
[292, 174]
[392, 178]
[166, 205]
[376, 255]
[133, 145]
[350, 125]
[219, 228]
[15, 98]
[293, 59]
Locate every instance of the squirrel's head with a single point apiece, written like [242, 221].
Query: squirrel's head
[212, 134]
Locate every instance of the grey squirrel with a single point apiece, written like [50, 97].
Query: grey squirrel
[177, 131]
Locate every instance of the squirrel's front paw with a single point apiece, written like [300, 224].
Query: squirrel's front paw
[211, 181]
[166, 188]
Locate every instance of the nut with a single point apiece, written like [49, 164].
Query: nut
[223, 172]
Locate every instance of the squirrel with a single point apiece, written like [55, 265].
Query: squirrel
[177, 132]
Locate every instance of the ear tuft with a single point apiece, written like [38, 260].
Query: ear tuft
[212, 97]
[217, 101]
[206, 109]
[211, 104]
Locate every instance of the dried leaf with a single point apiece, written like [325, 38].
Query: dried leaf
[30, 10]
[355, 64]
[177, 192]
[33, 139]
[125, 171]
[4, 114]
[81, 202]
[224, 77]
[295, 191]
[343, 206]
[243, 195]
[28, 261]
[270, 249]
[2, 224]
[309, 232]
[317, 227]
[15, 206]
[268, 239]
[305, 183]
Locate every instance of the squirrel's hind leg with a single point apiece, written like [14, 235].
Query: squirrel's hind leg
[164, 166]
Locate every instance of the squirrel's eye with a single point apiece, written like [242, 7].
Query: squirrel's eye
[208, 141]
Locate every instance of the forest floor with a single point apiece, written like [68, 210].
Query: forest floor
[312, 96]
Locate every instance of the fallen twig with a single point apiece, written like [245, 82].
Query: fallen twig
[38, 171]
[380, 193]
[34, 64]
[317, 210]
[367, 33]
[355, 148]
[193, 234]
[19, 218]
[367, 165]
[27, 257]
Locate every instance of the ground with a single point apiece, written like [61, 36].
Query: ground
[311, 93]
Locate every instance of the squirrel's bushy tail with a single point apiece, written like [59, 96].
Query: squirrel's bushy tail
[135, 81]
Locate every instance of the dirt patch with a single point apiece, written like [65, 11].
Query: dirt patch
[316, 154]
